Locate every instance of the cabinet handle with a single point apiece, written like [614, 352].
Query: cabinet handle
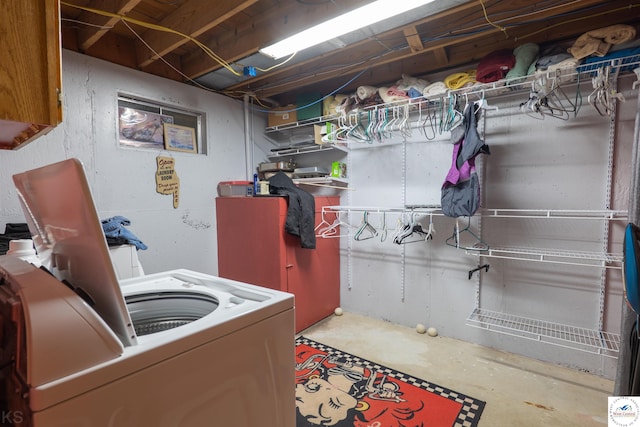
[289, 266]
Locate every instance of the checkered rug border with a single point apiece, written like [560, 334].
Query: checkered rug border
[471, 408]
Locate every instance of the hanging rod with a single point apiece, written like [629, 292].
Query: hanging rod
[427, 209]
[555, 213]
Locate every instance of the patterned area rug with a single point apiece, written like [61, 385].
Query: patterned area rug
[335, 388]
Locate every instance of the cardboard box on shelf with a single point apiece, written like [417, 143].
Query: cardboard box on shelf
[325, 133]
[282, 115]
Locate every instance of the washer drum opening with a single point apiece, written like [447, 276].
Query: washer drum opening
[160, 311]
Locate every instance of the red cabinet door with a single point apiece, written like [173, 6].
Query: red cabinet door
[254, 248]
[250, 241]
[313, 275]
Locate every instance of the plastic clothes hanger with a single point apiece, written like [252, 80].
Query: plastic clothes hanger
[431, 230]
[531, 107]
[455, 240]
[412, 232]
[366, 230]
[451, 117]
[403, 228]
[403, 125]
[325, 227]
[357, 130]
[482, 104]
[383, 227]
[369, 132]
[603, 98]
[637, 82]
[332, 230]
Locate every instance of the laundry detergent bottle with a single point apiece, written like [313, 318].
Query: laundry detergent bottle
[23, 249]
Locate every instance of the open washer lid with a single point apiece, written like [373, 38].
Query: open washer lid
[69, 239]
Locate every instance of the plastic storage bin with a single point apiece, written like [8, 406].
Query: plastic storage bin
[235, 189]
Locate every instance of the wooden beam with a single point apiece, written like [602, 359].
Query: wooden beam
[441, 56]
[413, 39]
[267, 28]
[100, 24]
[193, 19]
[302, 74]
[345, 56]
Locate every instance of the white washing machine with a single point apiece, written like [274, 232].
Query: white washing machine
[177, 348]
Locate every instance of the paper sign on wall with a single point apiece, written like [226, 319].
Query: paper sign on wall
[167, 181]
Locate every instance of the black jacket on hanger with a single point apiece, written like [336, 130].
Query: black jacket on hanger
[300, 212]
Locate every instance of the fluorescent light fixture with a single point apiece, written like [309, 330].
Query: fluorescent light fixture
[358, 18]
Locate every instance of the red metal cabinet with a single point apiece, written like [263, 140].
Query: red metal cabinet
[253, 247]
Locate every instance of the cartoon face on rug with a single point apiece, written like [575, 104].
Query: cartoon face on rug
[331, 391]
[335, 388]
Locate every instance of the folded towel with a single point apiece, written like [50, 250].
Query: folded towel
[597, 42]
[567, 63]
[434, 89]
[408, 82]
[547, 61]
[459, 80]
[392, 94]
[364, 92]
[525, 55]
[495, 66]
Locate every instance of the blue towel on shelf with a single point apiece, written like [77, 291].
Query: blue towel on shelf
[623, 56]
[114, 227]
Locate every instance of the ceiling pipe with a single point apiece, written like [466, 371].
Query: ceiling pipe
[248, 143]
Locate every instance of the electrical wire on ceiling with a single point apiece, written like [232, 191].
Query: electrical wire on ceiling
[88, 24]
[499, 20]
[503, 29]
[315, 3]
[156, 27]
[167, 63]
[461, 33]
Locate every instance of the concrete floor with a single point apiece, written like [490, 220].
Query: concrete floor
[518, 391]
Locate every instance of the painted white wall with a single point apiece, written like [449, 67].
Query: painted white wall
[123, 180]
[534, 164]
[549, 165]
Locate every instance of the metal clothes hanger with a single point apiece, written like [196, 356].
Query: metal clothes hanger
[455, 240]
[556, 103]
[431, 117]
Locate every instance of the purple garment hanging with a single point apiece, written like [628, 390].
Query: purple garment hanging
[456, 175]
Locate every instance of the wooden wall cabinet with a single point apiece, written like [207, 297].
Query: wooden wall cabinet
[30, 70]
[254, 248]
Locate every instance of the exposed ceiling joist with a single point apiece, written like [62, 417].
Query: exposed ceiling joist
[453, 34]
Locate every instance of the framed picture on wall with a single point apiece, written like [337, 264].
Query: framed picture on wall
[180, 138]
[142, 129]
